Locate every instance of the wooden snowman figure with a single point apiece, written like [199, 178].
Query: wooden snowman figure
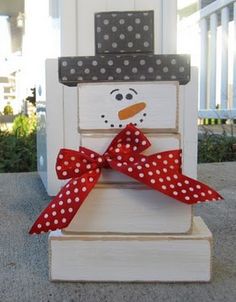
[126, 212]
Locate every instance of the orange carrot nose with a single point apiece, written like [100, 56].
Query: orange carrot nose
[131, 111]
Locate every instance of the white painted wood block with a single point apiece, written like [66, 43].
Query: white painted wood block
[100, 142]
[130, 209]
[150, 105]
[163, 258]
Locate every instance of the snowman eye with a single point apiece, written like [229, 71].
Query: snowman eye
[129, 96]
[119, 97]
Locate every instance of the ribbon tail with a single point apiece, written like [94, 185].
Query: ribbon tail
[167, 180]
[65, 205]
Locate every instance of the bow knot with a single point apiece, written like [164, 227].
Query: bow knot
[160, 171]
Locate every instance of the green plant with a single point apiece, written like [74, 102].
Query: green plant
[23, 125]
[8, 110]
[17, 154]
[216, 147]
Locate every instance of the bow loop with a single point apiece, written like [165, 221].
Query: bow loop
[71, 163]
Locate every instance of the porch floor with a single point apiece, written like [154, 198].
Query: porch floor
[24, 258]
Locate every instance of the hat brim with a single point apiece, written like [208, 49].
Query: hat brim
[128, 68]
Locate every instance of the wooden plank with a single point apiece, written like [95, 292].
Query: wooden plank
[85, 25]
[203, 64]
[68, 27]
[121, 5]
[224, 58]
[104, 106]
[164, 258]
[212, 71]
[213, 7]
[50, 134]
[131, 210]
[188, 111]
[99, 143]
[169, 24]
[155, 5]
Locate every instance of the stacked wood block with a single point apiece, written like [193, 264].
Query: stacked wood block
[125, 231]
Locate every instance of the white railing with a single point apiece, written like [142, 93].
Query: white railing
[217, 65]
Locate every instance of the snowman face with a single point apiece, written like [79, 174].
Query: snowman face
[128, 108]
[114, 105]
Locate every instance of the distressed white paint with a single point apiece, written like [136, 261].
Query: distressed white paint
[132, 257]
[96, 100]
[132, 209]
[100, 142]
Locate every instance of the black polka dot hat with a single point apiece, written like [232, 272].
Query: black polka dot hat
[124, 45]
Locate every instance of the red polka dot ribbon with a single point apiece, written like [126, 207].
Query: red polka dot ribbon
[160, 171]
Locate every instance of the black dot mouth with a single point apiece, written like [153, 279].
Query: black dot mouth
[112, 125]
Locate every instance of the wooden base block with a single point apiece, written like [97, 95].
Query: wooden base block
[133, 209]
[137, 258]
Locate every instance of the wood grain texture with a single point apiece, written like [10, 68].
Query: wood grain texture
[132, 257]
[131, 210]
[99, 105]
